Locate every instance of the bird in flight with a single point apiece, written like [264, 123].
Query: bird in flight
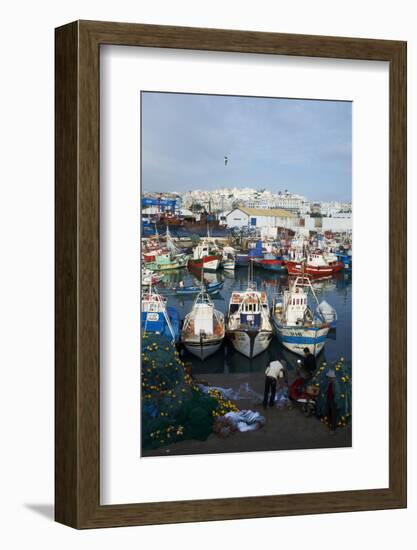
[226, 160]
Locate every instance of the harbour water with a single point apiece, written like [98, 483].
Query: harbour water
[337, 291]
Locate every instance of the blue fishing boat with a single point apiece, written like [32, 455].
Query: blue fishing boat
[271, 263]
[157, 318]
[243, 259]
[346, 259]
[295, 323]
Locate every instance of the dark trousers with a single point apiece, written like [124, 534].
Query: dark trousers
[270, 385]
[331, 413]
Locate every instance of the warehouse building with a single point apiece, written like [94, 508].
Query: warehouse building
[261, 218]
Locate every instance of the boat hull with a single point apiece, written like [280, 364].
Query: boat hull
[203, 349]
[242, 260]
[229, 265]
[295, 268]
[208, 263]
[297, 338]
[271, 265]
[178, 263]
[250, 343]
[211, 288]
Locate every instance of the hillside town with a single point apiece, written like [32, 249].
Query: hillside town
[237, 208]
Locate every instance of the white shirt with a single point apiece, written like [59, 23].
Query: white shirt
[275, 370]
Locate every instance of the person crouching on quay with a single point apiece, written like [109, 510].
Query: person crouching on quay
[274, 371]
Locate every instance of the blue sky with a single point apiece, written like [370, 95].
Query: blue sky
[304, 146]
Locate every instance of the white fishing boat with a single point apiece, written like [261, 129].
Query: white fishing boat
[327, 312]
[204, 329]
[228, 261]
[229, 264]
[248, 323]
[294, 321]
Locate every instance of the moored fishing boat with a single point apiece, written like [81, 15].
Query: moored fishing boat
[229, 264]
[327, 312]
[248, 323]
[346, 260]
[228, 260]
[167, 262]
[204, 329]
[271, 263]
[314, 265]
[157, 318]
[255, 251]
[206, 255]
[295, 323]
[171, 258]
[150, 278]
[211, 288]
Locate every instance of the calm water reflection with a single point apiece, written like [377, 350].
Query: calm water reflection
[336, 291]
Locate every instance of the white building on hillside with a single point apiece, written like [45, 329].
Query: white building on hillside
[288, 201]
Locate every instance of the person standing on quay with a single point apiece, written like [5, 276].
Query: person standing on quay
[331, 411]
[309, 361]
[274, 371]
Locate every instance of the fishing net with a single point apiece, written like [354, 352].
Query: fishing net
[342, 391]
[173, 407]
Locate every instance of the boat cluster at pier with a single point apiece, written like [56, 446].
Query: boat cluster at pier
[251, 317]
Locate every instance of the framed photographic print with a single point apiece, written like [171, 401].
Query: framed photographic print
[230, 274]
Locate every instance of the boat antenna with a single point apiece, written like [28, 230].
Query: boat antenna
[166, 316]
[150, 294]
[202, 276]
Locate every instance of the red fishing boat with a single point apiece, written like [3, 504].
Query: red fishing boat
[206, 256]
[315, 266]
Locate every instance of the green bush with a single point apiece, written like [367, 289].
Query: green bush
[343, 391]
[172, 407]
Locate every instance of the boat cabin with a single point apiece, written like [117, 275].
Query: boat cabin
[317, 260]
[206, 248]
[203, 319]
[296, 307]
[250, 306]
